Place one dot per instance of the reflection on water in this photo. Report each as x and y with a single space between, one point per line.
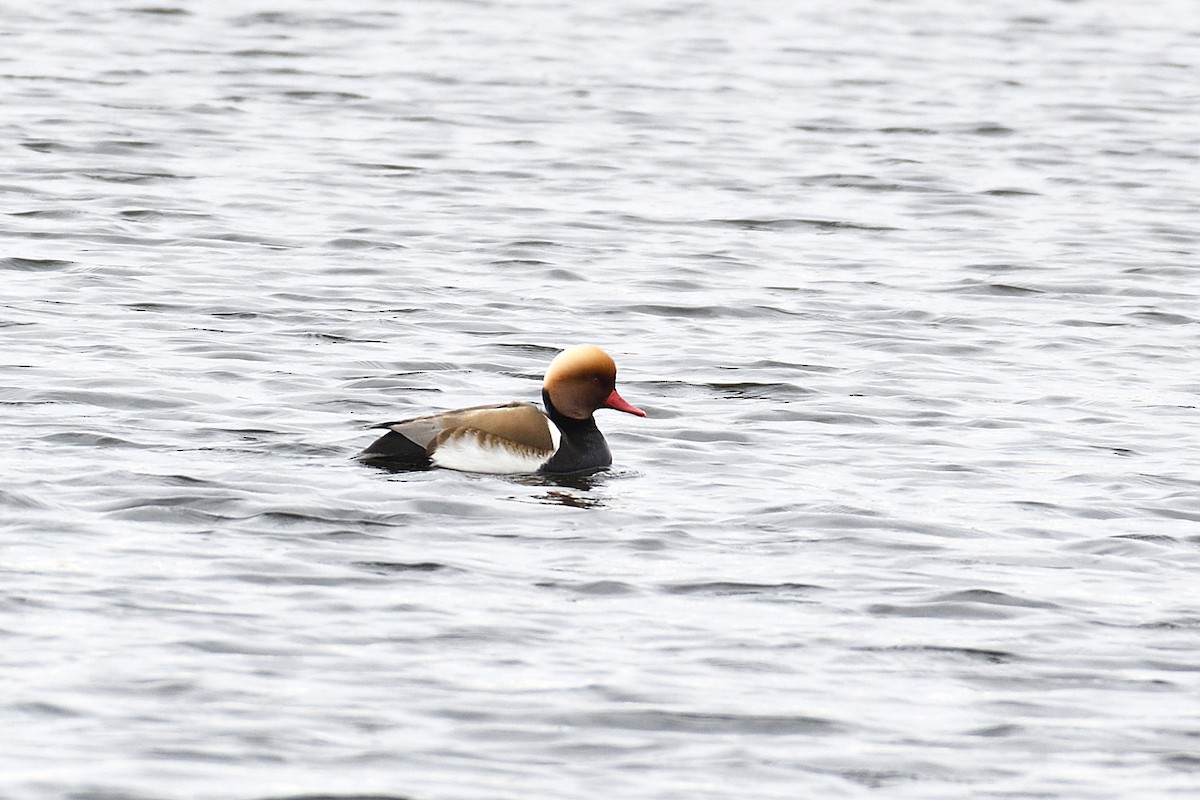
575 491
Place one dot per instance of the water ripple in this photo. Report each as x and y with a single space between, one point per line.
907 294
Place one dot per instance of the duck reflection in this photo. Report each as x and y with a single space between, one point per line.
575 491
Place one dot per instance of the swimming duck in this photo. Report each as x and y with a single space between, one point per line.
516 438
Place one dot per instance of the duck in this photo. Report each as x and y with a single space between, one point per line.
516 438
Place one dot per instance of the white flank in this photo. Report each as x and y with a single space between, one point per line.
470 453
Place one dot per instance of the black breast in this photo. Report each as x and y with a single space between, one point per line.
582 448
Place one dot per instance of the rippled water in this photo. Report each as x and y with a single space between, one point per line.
908 291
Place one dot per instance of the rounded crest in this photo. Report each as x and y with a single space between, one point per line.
582 360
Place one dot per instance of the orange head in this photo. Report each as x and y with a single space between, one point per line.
582 379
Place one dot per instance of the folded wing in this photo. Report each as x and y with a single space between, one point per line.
512 438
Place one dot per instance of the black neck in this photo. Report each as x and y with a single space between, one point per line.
582 448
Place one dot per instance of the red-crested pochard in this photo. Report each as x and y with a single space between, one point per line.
517 437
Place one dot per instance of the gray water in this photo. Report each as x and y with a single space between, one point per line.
909 290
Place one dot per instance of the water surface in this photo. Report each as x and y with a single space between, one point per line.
906 289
